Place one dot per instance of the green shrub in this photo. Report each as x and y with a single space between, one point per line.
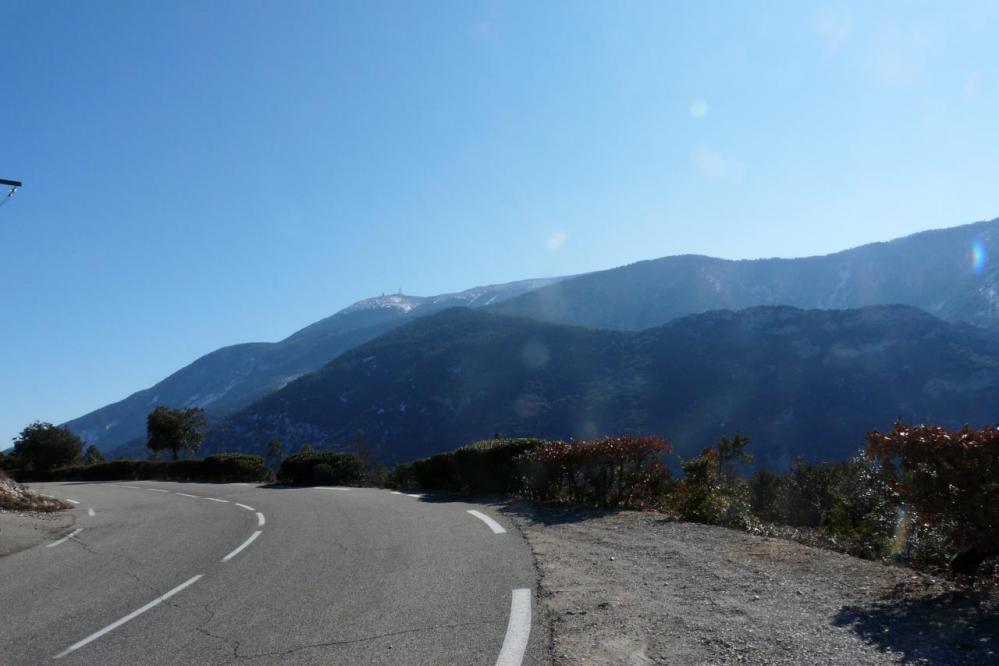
235 468
401 477
849 501
608 472
116 470
221 468
323 474
438 472
766 495
711 491
490 467
321 468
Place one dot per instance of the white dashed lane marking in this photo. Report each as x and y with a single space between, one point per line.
66 538
131 616
518 629
493 525
243 545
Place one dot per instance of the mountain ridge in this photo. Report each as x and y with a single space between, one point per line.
932 270
798 382
232 377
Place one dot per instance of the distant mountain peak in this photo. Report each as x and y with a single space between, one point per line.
233 377
400 302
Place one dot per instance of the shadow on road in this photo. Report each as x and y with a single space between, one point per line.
542 514
958 627
545 514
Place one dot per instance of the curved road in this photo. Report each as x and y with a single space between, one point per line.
170 573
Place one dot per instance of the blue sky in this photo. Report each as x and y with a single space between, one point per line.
199 174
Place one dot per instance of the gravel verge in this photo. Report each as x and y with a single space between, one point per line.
643 588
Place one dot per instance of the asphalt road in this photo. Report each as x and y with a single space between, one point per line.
331 576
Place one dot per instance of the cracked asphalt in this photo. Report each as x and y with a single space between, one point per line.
358 576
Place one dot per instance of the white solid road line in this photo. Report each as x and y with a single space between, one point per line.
395 492
518 629
66 538
414 495
186 495
133 487
246 543
72 501
216 499
261 521
131 616
91 512
493 525
157 490
243 506
330 488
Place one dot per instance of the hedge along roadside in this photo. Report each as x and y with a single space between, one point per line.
220 468
488 467
324 468
610 472
622 472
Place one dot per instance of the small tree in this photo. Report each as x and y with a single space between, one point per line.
175 430
91 456
711 491
42 447
731 454
275 453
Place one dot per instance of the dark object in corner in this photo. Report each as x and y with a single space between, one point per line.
967 563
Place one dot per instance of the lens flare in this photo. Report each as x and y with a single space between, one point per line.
978 256
903 526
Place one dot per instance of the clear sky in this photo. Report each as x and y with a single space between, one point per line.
204 173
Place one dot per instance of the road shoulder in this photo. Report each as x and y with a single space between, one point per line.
22 530
637 588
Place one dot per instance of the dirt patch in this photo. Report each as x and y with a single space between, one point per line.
638 588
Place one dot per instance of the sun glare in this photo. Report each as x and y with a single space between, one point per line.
978 256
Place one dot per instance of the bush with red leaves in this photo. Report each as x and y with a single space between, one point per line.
609 472
951 479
